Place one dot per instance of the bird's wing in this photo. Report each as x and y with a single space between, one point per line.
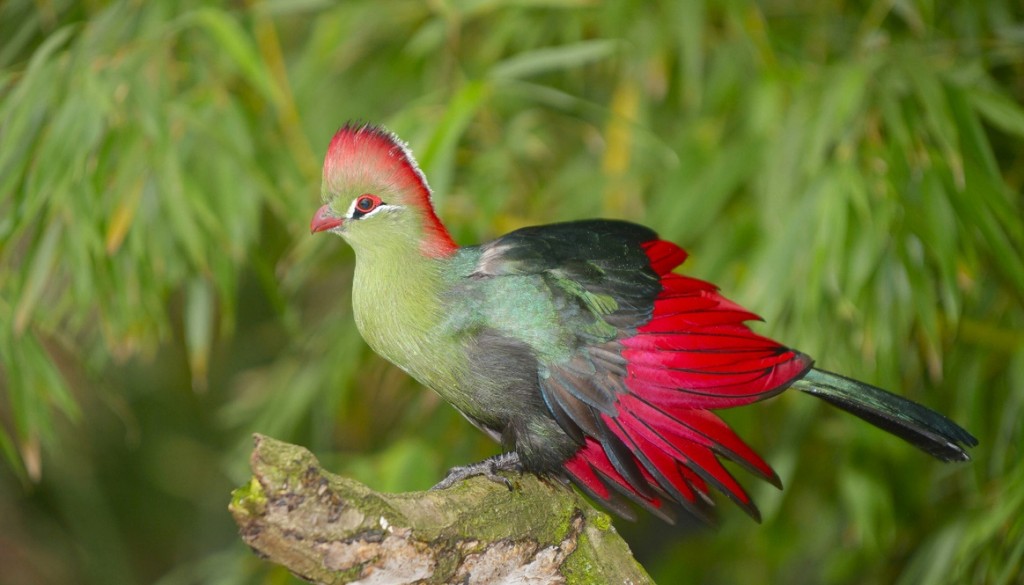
651 353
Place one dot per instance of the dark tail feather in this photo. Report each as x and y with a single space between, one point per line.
924 428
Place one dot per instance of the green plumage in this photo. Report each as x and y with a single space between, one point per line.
484 326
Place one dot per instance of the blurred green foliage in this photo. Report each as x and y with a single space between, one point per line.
850 170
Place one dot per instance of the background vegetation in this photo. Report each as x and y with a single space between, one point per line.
852 170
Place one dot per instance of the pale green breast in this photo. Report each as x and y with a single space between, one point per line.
398 309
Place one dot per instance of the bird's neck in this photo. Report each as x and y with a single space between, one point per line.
397 302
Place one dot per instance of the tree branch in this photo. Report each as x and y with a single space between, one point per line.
329 529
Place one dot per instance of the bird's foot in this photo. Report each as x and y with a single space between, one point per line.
488 468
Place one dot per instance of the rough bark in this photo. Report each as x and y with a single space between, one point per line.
329 529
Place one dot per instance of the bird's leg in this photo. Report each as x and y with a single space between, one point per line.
488 468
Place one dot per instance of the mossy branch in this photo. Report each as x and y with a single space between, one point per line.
329 529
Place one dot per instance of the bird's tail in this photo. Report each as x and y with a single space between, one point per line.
924 428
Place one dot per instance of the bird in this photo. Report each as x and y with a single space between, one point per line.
576 345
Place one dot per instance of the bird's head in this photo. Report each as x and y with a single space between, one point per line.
374 193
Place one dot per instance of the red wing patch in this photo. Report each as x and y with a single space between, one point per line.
694 354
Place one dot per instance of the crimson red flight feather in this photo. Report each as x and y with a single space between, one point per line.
694 354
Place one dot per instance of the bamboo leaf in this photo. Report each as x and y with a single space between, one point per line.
999 110
39 270
199 313
237 44
549 59
439 152
12 457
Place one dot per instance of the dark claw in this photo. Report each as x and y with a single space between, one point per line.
488 468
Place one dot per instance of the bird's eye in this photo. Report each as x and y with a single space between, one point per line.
365 204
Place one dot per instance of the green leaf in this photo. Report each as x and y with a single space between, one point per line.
438 156
12 457
40 268
239 46
549 59
199 312
999 110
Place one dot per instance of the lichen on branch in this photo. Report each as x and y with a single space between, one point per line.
329 529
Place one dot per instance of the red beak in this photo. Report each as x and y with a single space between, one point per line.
323 220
